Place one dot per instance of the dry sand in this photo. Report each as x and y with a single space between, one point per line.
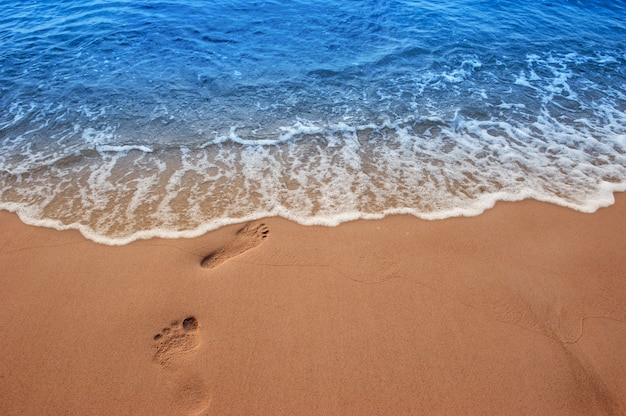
520 311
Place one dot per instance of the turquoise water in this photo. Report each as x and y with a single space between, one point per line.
128 120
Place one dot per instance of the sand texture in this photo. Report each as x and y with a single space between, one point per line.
519 311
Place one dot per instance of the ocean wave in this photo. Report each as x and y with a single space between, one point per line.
132 120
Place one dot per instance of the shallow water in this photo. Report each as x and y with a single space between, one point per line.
133 119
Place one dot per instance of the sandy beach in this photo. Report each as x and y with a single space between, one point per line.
518 311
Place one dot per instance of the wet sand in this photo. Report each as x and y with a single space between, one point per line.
521 310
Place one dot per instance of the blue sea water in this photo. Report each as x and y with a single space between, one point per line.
132 119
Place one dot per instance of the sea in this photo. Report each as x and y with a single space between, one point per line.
135 119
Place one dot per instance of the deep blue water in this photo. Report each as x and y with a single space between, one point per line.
130 119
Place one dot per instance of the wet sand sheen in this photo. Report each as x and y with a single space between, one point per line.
518 311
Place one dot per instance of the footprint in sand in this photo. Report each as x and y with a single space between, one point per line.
247 238
178 338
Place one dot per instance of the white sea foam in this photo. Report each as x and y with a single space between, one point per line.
318 176
124 148
521 80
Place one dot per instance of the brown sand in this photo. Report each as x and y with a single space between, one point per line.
520 311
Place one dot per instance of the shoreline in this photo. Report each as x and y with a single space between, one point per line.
519 310
604 198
